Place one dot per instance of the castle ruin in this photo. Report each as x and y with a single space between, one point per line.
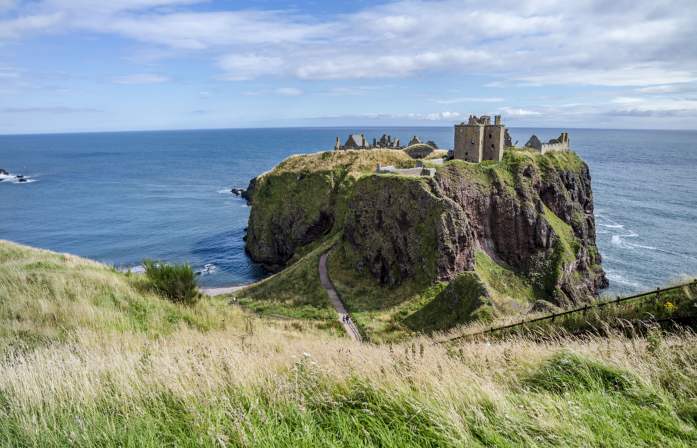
359 141
479 140
556 144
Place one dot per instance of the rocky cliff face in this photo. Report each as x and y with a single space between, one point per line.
304 199
532 216
530 213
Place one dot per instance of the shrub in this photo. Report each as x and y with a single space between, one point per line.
177 282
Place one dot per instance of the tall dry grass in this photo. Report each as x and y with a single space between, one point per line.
211 375
247 387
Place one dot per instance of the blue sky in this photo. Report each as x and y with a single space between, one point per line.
89 65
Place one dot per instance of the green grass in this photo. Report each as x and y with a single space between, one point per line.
295 292
465 299
116 375
355 162
508 289
45 296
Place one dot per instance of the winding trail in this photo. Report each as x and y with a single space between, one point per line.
344 316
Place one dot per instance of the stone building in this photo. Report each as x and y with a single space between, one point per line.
414 141
354 141
556 144
386 141
479 140
358 141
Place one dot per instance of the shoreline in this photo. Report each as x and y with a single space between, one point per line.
222 290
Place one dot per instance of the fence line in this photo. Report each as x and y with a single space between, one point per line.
583 309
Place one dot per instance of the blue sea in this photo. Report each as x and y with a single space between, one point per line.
123 197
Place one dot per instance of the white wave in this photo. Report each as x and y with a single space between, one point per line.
138 269
16 179
224 191
208 268
618 278
641 246
619 241
612 226
25 181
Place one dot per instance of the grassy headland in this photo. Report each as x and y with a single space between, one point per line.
304 203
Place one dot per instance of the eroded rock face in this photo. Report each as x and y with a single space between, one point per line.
289 211
539 221
401 230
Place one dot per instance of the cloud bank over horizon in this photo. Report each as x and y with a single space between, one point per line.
150 63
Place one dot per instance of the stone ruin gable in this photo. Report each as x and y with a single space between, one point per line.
556 144
479 140
414 141
354 141
359 141
386 142
534 143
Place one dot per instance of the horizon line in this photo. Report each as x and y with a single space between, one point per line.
126 131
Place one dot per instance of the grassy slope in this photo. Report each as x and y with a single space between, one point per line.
44 296
295 292
109 378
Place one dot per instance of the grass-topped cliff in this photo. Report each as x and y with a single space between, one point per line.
91 357
503 235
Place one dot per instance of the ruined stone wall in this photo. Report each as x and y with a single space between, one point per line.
493 143
549 147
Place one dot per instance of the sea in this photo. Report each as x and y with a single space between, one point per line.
124 197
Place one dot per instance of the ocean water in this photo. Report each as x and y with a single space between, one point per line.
123 197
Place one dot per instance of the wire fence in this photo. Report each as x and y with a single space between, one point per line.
655 295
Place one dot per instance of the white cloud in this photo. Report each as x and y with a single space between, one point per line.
663 89
14 28
635 76
141 78
654 106
247 66
519 112
539 42
7 73
288 91
470 99
54 110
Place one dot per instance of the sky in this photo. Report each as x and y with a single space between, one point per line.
93 65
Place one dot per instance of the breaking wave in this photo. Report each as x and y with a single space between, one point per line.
16 179
615 277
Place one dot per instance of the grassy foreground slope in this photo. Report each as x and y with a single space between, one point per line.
105 374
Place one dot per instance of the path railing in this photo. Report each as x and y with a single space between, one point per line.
656 295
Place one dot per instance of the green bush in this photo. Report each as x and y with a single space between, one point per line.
177 282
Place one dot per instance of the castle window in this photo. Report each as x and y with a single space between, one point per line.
489 135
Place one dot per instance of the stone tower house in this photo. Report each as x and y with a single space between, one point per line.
479 139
